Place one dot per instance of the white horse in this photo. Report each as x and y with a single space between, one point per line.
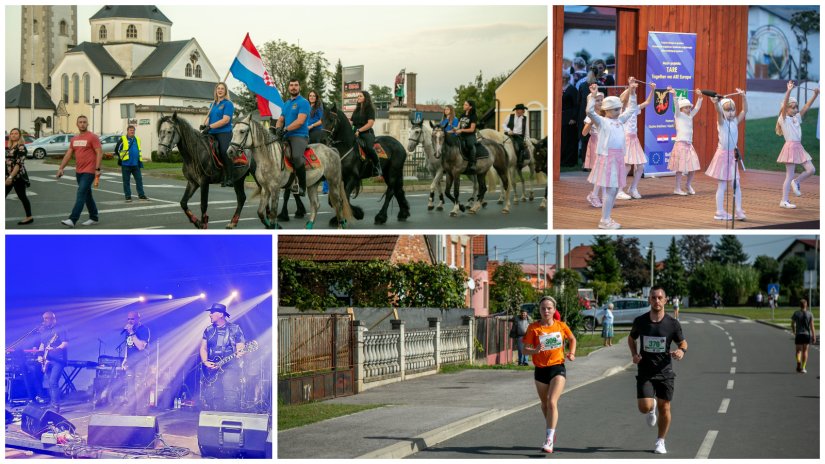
529 163
271 175
420 133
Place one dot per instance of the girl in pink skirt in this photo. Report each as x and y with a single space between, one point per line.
608 167
634 154
683 159
723 167
590 155
789 124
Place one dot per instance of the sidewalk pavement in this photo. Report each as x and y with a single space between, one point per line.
422 412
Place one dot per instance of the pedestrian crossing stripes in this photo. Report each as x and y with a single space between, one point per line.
715 321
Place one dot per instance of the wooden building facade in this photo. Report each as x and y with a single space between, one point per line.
721 61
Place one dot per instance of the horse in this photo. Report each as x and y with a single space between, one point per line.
447 146
300 211
199 167
529 163
421 134
540 149
340 135
271 174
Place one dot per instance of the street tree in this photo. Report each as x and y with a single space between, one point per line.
802 24
483 93
244 100
739 283
380 93
792 278
603 268
337 85
318 79
729 251
284 61
635 270
704 282
507 289
672 278
768 270
695 249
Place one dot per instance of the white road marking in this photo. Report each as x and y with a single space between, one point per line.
723 408
730 385
733 370
733 351
707 444
713 321
746 321
42 179
698 321
733 359
731 344
730 338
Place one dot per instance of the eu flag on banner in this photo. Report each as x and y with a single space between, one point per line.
248 68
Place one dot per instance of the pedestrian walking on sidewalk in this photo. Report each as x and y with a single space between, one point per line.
517 332
544 341
655 381
607 325
802 325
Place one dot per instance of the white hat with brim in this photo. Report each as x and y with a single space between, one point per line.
726 101
611 103
683 102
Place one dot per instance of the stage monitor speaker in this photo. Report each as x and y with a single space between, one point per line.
37 419
233 435
122 431
269 444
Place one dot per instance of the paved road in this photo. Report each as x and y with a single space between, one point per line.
737 396
52 200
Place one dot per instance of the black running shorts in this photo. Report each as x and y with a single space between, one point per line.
658 387
546 374
802 339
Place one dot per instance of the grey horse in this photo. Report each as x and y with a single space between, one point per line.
529 163
421 134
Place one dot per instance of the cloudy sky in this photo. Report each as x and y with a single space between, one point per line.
446 46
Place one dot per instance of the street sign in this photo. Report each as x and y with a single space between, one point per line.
773 289
127 110
419 117
144 122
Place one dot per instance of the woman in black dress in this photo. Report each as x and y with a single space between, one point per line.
16 176
363 119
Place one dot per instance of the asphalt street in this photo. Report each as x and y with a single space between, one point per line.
737 395
52 200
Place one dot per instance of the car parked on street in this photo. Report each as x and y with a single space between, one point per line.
52 145
625 310
108 143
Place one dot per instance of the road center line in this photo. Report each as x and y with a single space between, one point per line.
730 384
733 370
731 344
733 359
707 444
723 408
733 351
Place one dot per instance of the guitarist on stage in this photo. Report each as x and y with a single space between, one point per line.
54 342
221 339
136 363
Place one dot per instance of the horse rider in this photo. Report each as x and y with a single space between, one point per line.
363 119
293 126
219 123
516 129
466 132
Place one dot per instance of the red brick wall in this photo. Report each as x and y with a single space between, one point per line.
409 249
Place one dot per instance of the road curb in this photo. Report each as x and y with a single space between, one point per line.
426 440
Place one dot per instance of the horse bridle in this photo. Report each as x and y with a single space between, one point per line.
174 132
242 146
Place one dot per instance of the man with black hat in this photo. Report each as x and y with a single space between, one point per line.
516 128
222 338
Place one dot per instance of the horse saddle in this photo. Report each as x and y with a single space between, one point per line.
212 142
481 152
379 150
311 160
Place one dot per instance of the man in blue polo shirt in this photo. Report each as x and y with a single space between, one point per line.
293 120
129 158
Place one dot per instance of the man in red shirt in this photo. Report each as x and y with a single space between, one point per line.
89 154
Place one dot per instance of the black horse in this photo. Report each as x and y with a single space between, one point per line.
199 167
541 165
341 136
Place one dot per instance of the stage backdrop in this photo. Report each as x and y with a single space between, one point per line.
721 58
670 62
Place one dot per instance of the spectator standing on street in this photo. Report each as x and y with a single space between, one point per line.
16 176
569 110
676 307
129 154
520 325
607 325
759 300
802 325
88 155
544 340
717 300
655 381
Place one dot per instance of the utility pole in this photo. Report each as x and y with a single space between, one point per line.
31 76
569 250
651 263
538 261
544 269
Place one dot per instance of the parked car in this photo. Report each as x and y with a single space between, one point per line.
52 145
625 310
108 143
27 139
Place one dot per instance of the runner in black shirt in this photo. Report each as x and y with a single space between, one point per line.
655 331
802 325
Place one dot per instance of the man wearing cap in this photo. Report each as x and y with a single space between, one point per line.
222 338
516 128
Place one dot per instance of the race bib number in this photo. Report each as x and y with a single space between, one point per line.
550 341
654 344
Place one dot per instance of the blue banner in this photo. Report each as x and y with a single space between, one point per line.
671 59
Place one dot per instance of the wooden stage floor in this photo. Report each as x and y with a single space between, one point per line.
659 208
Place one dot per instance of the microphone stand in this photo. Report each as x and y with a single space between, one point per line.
20 340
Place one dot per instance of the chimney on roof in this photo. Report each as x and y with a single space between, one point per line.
411 90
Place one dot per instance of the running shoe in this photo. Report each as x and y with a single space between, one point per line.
787 205
548 445
89 222
651 416
798 367
804 371
635 194
795 187
622 195
609 224
722 216
679 192
690 190
660 447
594 200
68 223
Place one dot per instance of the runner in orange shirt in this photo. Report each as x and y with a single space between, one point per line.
544 340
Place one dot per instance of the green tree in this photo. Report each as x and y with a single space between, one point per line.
483 93
672 277
792 277
696 249
507 289
603 268
300 72
802 24
705 280
337 85
380 93
566 292
768 269
285 61
566 279
244 100
318 79
635 270
729 251
738 284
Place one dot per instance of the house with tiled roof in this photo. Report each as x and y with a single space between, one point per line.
328 248
131 59
808 250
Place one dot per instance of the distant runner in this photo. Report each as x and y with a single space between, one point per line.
802 325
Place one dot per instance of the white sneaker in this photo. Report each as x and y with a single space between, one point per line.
651 416
787 205
690 190
795 188
609 224
622 195
89 222
804 371
635 194
740 216
594 200
679 192
660 447
68 223
722 217
547 447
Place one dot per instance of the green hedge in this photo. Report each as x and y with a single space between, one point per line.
173 157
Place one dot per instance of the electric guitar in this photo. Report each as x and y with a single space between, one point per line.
46 352
210 376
